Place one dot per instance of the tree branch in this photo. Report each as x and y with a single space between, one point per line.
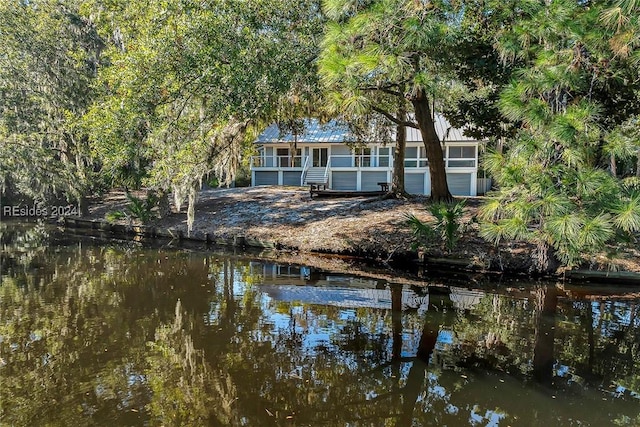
384 89
393 118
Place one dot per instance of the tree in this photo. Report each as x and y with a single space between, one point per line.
378 54
48 61
554 190
190 82
480 72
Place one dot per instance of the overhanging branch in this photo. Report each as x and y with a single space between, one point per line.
384 89
394 119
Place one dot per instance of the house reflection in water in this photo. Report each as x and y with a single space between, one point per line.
291 283
308 286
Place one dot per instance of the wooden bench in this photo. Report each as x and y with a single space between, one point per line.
315 187
384 186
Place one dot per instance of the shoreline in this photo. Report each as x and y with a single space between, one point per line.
286 219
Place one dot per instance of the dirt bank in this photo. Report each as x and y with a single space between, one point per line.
287 218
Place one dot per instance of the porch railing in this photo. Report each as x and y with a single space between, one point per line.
305 169
326 170
350 161
277 161
359 160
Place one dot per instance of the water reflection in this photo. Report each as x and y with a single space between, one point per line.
120 335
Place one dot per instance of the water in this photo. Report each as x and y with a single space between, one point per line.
121 335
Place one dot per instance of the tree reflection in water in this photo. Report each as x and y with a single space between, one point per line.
132 336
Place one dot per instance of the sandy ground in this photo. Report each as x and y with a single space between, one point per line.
369 227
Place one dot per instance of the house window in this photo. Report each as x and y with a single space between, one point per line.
363 157
462 157
319 157
462 152
411 157
383 157
283 157
285 160
296 160
423 161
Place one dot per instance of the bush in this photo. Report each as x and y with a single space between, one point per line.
114 216
142 209
447 227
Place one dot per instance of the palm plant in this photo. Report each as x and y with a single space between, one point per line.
447 226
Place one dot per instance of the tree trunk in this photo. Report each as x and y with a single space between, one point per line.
439 187
638 165
612 165
591 339
397 180
415 379
83 206
293 148
396 320
543 353
164 207
544 259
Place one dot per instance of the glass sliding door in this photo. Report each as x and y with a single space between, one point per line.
319 157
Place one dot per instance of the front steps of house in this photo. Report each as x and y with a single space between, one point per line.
315 175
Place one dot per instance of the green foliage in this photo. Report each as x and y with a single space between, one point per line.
114 216
140 208
48 61
185 91
390 57
446 228
555 189
421 230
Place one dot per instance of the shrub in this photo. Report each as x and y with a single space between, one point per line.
142 208
447 226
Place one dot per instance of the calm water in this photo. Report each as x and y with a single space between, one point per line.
120 335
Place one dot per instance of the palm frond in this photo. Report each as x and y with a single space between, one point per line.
516 228
552 203
420 229
493 232
491 210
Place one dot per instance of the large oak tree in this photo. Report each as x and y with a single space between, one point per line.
189 83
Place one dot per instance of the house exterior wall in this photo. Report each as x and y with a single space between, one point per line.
363 171
414 182
370 179
265 178
341 156
344 180
459 183
291 178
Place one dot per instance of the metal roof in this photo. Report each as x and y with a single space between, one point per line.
335 132
314 131
445 132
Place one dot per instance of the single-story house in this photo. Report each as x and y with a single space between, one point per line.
322 155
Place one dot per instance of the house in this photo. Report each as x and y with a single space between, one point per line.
323 156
